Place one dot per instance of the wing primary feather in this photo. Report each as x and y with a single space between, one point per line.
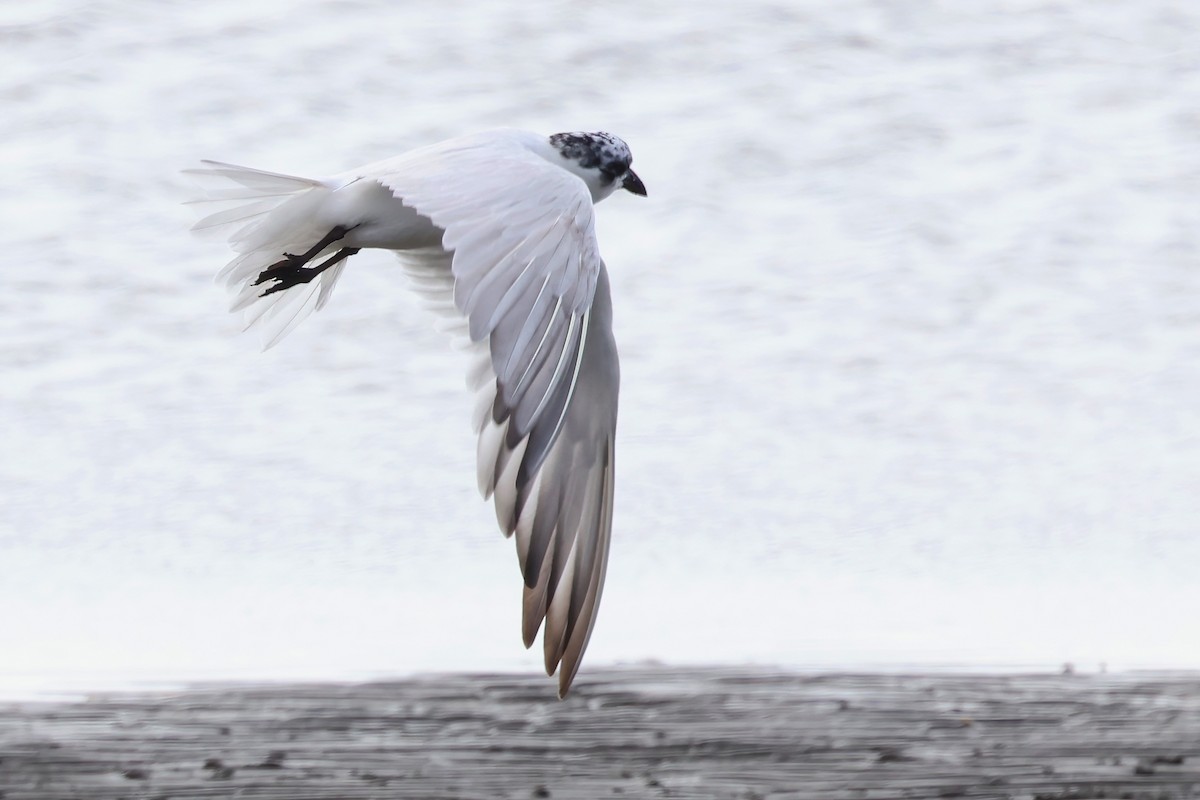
557 606
577 643
491 439
546 514
513 295
470 275
526 411
521 356
498 291
547 265
542 435
507 494
542 380
533 609
496 270
585 542
551 341
562 396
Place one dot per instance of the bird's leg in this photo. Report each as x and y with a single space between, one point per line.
291 270
298 275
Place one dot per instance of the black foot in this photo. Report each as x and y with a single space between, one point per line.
292 272
289 272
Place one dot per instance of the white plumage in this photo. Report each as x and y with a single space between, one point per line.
498 229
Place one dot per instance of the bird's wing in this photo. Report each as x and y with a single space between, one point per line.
521 265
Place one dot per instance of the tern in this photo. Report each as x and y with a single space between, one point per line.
497 230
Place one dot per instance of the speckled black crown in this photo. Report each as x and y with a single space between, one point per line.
601 151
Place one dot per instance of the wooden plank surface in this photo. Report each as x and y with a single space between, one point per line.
628 733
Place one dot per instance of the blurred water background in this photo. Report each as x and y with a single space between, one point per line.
909 323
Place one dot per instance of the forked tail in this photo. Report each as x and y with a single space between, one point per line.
287 262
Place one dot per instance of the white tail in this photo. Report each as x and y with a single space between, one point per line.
264 215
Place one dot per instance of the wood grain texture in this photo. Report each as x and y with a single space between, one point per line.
628 733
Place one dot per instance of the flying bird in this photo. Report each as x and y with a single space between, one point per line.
496 229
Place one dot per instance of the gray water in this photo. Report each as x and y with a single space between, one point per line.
909 326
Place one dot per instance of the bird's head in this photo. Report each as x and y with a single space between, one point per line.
601 160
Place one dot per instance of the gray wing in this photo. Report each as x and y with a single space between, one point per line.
524 269
562 511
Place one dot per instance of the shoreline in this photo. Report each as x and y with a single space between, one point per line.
646 731
68 687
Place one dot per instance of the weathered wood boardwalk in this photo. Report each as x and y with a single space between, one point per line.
630 733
